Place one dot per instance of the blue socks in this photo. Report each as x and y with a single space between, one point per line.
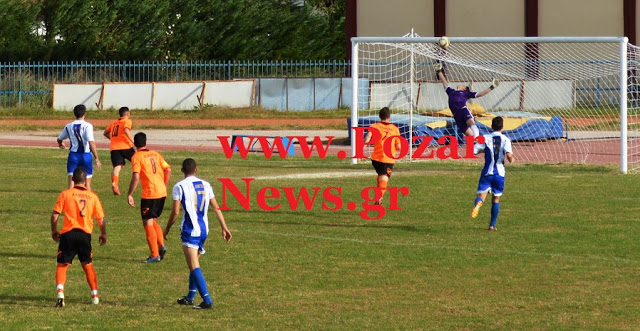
478 199
200 284
192 288
495 209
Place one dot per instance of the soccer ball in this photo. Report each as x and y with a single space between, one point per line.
444 42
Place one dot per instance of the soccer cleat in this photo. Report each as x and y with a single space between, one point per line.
95 300
152 259
163 251
116 190
493 228
185 301
203 305
476 210
60 301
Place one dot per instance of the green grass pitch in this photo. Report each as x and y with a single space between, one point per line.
565 256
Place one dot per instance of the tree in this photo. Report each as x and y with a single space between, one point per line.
105 30
84 30
19 31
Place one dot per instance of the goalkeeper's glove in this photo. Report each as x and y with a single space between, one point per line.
494 83
438 67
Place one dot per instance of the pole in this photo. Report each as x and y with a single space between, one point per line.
623 105
354 101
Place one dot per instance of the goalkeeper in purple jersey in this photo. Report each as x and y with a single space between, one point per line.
458 103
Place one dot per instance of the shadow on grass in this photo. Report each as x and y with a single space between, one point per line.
32 191
47 301
30 300
52 257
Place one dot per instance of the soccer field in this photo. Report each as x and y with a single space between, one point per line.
565 255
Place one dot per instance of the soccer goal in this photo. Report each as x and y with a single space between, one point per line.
564 99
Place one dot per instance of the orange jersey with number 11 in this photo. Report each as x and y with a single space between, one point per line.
119 139
151 166
79 207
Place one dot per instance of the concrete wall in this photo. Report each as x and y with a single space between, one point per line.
580 18
162 95
385 18
491 18
486 18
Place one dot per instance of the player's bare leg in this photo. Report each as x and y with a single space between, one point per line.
88 184
192 257
115 177
472 128
70 182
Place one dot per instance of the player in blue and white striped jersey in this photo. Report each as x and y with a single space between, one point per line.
195 196
496 149
83 145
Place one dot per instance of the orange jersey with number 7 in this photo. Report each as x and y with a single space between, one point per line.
386 130
151 166
119 139
79 206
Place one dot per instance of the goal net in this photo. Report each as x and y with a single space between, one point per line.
560 96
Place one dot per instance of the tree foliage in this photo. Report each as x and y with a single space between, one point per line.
85 30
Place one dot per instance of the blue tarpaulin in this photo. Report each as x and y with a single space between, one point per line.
531 126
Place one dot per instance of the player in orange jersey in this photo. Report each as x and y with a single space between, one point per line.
121 145
150 168
80 206
381 162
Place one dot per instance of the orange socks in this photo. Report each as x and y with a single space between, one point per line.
152 240
114 180
92 278
159 233
382 185
61 276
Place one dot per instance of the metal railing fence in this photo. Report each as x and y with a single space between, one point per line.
31 83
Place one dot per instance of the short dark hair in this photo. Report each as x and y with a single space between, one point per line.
189 166
497 123
123 110
79 111
385 113
140 140
79 175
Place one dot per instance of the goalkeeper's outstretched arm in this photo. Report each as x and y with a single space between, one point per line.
443 79
440 73
494 84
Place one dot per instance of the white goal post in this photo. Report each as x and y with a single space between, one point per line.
564 99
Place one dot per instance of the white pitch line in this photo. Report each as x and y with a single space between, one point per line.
468 249
317 175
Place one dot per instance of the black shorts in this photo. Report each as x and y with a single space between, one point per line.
151 208
382 168
72 243
118 156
